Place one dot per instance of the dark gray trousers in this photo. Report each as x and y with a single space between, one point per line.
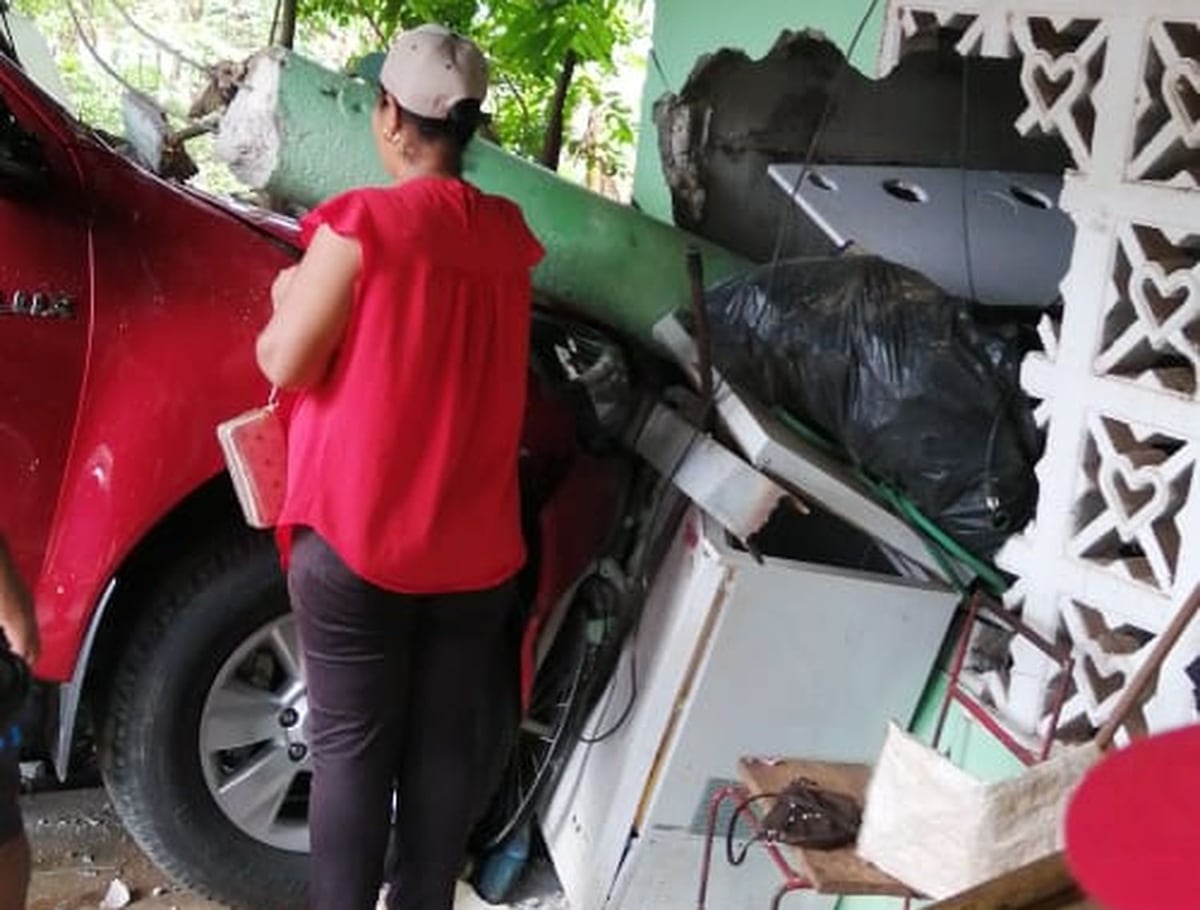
396 684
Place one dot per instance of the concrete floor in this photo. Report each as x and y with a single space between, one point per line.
80 848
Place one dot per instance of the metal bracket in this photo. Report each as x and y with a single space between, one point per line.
715 479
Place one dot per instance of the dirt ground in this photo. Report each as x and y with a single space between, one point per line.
80 849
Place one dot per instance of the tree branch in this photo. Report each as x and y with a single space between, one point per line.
517 96
104 64
555 121
155 40
287 23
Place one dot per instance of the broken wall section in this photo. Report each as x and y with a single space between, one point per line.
685 30
736 116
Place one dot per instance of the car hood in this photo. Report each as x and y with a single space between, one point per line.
282 228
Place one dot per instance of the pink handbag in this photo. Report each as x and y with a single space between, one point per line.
255 448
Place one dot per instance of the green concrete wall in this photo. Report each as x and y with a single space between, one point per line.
686 29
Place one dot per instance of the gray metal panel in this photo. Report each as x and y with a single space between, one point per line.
803 661
1020 240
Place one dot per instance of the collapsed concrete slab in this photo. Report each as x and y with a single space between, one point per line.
301 133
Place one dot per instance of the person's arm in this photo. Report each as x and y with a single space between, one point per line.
17 619
312 306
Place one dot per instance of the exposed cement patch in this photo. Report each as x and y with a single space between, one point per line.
249 136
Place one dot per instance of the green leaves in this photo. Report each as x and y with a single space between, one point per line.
536 34
527 42
386 17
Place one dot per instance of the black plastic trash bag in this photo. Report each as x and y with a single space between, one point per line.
915 388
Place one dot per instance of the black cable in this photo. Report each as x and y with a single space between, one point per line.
641 592
818 134
621 720
662 74
641 579
731 828
991 500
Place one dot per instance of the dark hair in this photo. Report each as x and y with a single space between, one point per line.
457 129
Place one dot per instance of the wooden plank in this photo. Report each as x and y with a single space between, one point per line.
1044 884
839 871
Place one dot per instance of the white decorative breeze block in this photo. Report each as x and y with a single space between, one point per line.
1114 547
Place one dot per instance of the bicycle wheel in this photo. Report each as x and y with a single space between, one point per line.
546 733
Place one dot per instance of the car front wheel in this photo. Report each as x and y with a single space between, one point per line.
203 747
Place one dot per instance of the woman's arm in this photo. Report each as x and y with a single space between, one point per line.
312 307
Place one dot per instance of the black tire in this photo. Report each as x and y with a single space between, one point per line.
200 613
564 691
545 737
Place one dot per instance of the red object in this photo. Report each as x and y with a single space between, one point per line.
404 457
107 411
1132 825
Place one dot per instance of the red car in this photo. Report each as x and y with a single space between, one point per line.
128 308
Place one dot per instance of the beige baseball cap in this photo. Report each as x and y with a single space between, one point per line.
429 69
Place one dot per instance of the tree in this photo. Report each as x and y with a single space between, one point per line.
386 17
553 69
548 40
539 50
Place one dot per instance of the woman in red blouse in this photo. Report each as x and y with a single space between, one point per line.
405 328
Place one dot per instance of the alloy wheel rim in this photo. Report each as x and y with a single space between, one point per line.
253 739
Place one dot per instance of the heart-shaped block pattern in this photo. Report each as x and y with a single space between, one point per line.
1181 95
1053 85
1136 496
1175 306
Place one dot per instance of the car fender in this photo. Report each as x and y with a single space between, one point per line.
180 289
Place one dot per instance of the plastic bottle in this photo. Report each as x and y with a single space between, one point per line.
500 869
